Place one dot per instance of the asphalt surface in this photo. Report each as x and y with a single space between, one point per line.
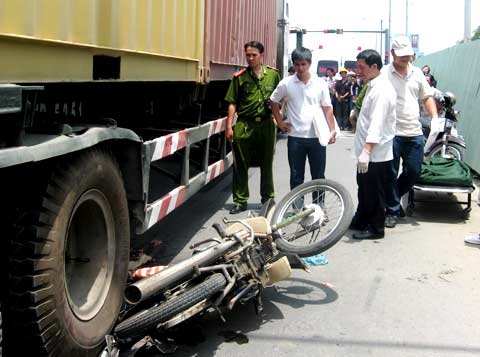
414 293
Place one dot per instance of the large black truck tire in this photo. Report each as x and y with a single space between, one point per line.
68 261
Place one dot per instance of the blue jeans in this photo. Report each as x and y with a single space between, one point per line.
299 149
410 150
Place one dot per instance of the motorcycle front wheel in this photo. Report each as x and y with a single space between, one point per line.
322 229
452 150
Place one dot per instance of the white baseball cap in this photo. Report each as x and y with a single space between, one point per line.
402 46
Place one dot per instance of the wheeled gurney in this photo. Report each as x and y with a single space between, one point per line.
440 189
443 175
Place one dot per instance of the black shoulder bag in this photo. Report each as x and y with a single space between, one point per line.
266 101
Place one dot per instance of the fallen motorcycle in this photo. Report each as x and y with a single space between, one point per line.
249 255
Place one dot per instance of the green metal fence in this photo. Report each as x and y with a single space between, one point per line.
457 70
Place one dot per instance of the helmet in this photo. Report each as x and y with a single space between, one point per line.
343 69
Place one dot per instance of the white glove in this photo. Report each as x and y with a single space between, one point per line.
363 161
436 126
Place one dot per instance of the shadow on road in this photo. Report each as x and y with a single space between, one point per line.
438 208
204 336
297 292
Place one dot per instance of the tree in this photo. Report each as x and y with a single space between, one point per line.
476 34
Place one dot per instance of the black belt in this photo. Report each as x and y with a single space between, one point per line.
256 119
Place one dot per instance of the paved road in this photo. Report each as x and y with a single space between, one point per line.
414 293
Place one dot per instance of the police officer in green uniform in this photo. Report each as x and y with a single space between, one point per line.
253 139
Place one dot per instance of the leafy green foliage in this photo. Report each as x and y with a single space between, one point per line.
476 34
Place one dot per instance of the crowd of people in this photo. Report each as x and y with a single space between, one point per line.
381 103
343 95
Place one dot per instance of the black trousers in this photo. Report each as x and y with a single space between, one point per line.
371 196
342 113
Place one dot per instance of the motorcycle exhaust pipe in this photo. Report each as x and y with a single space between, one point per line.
145 288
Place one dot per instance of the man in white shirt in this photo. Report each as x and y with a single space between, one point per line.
372 146
330 79
307 98
410 85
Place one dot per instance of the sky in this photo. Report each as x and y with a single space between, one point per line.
438 23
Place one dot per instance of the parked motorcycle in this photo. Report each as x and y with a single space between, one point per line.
442 138
249 255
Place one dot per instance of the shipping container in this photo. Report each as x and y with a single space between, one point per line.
59 40
231 24
148 40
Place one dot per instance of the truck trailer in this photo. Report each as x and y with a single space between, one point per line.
111 117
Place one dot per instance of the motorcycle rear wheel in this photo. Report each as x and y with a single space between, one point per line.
141 323
297 238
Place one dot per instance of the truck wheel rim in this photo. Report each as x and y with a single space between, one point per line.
89 254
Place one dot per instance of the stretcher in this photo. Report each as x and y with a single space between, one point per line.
440 189
443 175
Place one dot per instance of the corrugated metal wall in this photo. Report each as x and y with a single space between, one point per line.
457 70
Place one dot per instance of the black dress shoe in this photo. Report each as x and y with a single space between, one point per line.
369 235
238 209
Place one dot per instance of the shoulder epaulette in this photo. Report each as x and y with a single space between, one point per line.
275 69
239 73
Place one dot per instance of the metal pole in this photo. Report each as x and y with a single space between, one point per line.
387 46
468 21
381 29
406 17
388 31
299 38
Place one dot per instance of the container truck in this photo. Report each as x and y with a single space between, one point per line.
111 117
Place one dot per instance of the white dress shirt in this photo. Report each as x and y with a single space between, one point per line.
376 123
330 82
304 100
409 90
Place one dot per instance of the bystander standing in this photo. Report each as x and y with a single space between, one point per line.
431 79
408 145
253 139
372 146
331 86
342 93
308 99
